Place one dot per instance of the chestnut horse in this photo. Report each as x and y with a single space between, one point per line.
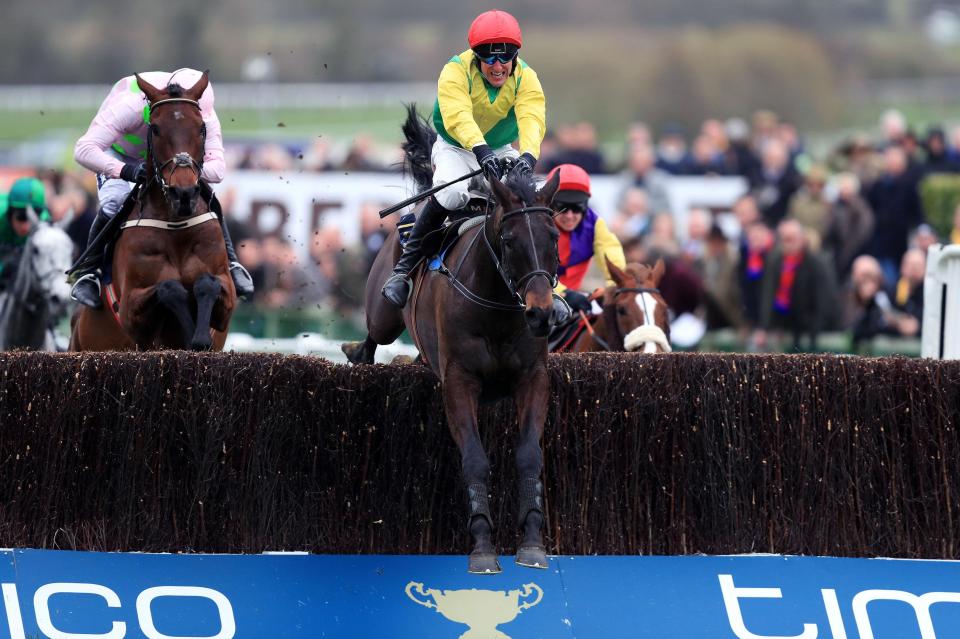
171 283
635 316
480 323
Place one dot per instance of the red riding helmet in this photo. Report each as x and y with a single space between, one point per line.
493 27
574 185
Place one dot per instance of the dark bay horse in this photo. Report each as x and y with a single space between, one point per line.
635 316
171 283
481 326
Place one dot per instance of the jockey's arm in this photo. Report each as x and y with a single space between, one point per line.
531 110
456 107
606 244
214 163
114 118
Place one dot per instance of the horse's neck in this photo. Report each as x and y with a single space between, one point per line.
19 326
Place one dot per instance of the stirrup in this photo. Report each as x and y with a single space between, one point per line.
86 290
242 281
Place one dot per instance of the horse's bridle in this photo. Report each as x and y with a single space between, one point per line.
637 289
518 288
522 283
182 159
610 313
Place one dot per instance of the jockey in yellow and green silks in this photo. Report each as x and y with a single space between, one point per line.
487 99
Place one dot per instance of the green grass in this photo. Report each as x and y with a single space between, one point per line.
333 123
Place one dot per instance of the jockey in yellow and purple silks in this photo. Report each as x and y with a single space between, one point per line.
487 98
583 234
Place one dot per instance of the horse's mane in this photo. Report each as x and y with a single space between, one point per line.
419 136
524 186
21 282
174 90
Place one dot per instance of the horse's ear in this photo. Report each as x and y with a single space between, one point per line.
500 190
548 190
153 93
616 273
194 92
658 270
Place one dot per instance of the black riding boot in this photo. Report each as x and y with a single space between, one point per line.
242 281
86 272
397 288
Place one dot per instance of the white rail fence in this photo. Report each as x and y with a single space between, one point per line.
941 303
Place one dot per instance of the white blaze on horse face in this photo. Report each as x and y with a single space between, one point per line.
647 304
649 335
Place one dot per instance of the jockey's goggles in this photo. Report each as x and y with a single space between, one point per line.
19 215
499 52
564 207
502 58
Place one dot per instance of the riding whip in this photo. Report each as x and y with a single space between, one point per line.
425 194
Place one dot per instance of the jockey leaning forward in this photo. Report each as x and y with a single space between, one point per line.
487 98
583 234
20 210
115 148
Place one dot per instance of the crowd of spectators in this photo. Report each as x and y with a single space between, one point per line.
815 244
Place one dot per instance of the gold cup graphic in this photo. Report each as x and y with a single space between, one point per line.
482 610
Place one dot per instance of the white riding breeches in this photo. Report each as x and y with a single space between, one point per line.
112 192
451 162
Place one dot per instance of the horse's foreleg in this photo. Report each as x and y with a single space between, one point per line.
461 392
174 298
360 352
532 400
206 290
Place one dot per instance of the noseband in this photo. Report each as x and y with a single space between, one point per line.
610 315
179 160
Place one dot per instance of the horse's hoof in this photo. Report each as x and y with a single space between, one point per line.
351 350
483 563
532 557
402 360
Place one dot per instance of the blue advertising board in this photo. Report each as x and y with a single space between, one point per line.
81 595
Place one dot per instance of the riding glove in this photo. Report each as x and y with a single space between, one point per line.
488 161
577 301
134 172
524 164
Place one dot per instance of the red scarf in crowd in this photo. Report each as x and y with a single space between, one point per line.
784 298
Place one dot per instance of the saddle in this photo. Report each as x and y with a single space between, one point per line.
563 336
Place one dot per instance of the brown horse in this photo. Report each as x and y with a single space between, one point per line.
480 324
171 283
635 316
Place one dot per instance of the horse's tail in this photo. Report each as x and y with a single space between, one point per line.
419 138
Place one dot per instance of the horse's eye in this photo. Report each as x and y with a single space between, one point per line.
154 129
621 310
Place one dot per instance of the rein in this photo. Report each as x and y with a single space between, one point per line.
515 288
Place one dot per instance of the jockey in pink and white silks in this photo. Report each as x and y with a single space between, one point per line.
115 148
